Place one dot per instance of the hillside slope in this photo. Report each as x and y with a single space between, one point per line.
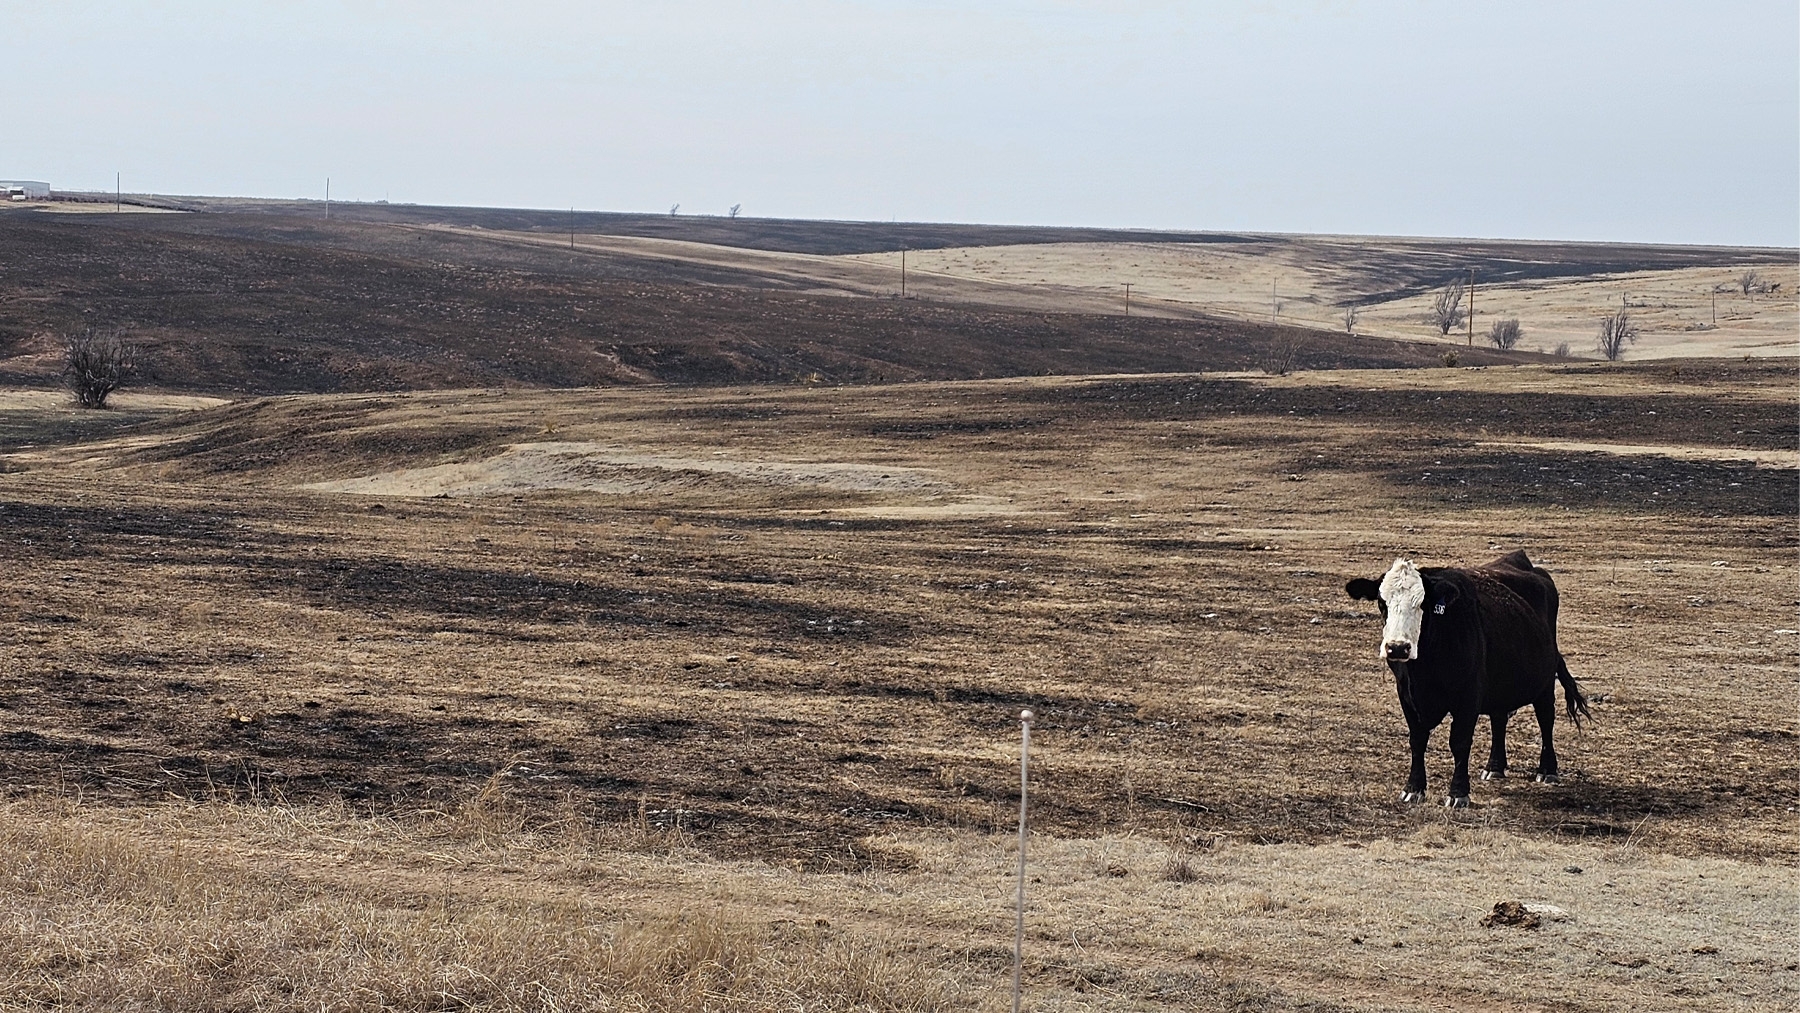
262 305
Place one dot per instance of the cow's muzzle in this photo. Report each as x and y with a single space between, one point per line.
1396 650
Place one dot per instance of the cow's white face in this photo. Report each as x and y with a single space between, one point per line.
1403 592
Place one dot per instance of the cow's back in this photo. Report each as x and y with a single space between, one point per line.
1531 583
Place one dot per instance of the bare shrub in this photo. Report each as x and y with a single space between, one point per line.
1350 315
1505 334
1749 280
1283 354
1616 331
1450 358
1562 350
1446 307
95 363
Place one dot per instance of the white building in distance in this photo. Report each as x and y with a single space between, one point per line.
24 189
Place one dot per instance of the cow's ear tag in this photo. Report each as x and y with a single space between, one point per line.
1438 609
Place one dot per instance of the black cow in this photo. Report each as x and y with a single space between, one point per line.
1465 642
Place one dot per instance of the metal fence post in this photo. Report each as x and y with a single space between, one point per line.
1024 789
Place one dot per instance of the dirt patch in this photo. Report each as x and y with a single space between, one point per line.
28 399
1759 458
590 467
951 509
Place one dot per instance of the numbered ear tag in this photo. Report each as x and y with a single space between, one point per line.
1438 609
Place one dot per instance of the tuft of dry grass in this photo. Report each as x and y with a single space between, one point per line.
1179 866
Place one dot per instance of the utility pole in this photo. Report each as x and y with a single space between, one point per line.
1715 300
1274 307
1471 307
902 270
1128 298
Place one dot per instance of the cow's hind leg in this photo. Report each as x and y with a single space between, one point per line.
1462 738
1545 706
1496 765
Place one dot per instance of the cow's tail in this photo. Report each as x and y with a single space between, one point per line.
1572 695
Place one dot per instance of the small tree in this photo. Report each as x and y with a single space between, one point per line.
674 209
1350 315
733 212
95 363
1749 280
1616 331
1446 307
1505 334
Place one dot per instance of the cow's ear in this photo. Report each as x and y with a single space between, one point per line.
1444 594
1363 589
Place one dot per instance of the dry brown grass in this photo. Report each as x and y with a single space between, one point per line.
107 910
229 906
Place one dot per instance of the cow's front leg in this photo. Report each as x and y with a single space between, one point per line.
1462 737
1420 735
1496 765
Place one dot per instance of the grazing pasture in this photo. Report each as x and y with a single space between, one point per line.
706 698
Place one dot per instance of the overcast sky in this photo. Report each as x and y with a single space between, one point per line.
1609 120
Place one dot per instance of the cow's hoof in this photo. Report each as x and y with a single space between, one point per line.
1493 775
1549 779
1412 796
1457 802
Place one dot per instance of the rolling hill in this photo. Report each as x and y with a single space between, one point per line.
265 303
255 296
